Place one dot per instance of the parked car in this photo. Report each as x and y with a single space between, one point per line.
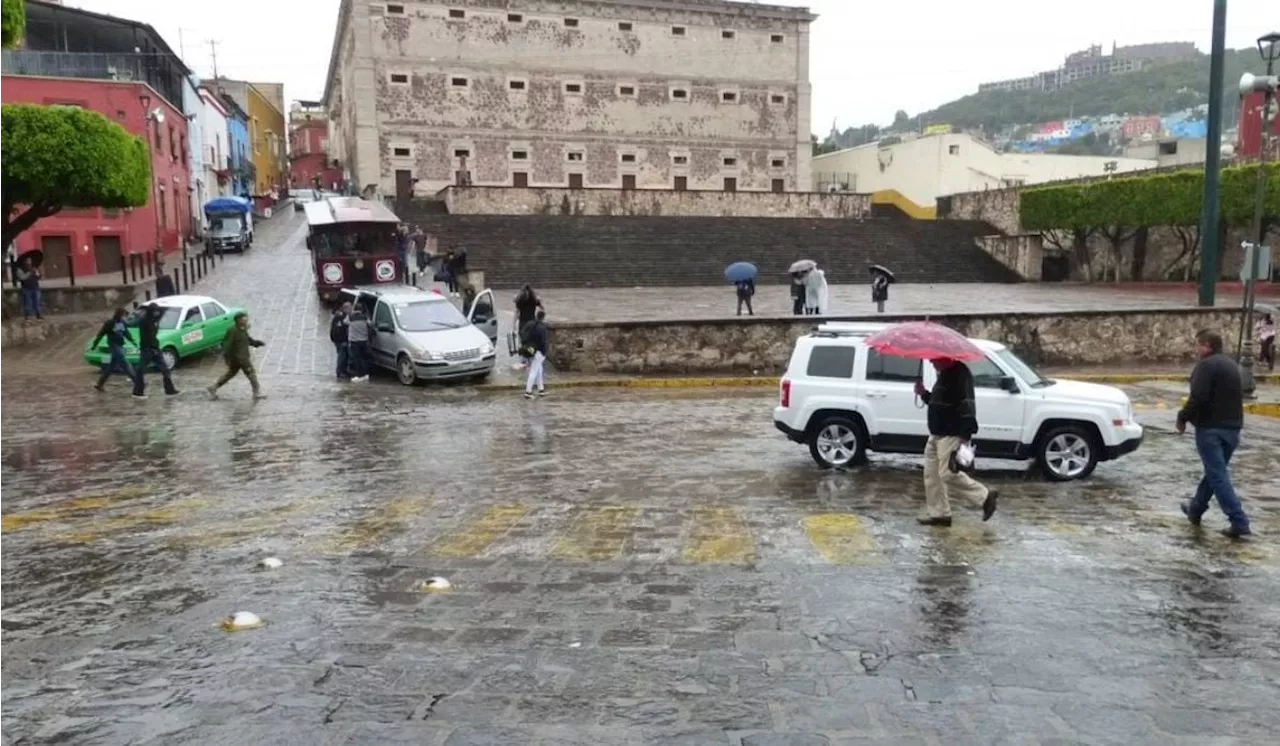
189 325
421 335
842 398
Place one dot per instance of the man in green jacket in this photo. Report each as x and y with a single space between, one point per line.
235 351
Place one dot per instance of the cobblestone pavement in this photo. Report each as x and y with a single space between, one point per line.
629 568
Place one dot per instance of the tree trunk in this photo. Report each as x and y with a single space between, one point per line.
1138 264
15 225
1080 245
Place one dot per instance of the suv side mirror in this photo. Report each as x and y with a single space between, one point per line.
1010 384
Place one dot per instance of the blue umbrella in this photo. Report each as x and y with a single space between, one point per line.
739 271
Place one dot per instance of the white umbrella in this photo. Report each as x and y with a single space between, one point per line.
804 265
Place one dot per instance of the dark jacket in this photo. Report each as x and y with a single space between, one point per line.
746 288
534 334
164 285
1216 399
115 332
527 307
952 410
148 328
235 348
879 289
29 278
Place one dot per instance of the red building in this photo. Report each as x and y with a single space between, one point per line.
1249 142
133 78
310 164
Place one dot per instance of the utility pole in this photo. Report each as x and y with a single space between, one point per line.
213 50
1209 236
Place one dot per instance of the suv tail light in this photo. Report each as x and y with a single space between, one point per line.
784 397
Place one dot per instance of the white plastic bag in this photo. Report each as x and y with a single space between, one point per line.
964 456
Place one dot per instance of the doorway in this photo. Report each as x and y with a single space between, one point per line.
628 181
106 254
57 255
575 181
404 184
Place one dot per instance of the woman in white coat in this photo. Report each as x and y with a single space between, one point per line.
815 292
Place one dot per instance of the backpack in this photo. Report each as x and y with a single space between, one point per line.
337 332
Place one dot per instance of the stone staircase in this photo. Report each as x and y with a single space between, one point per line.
610 251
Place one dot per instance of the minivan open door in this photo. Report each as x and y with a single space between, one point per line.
487 319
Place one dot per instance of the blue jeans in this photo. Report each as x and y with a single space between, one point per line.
358 357
151 356
343 356
117 363
1215 446
31 303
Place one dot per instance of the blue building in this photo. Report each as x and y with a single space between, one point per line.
239 161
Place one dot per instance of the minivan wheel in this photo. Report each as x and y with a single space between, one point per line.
837 442
405 370
1067 452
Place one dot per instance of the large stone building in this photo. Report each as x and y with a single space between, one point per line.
644 94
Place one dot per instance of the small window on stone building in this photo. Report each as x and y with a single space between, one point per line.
730 161
730 184
571 23
519 155
777 98
953 149
519 178
778 163
574 156
677 30
679 160
679 94
516 85
400 78
728 34
628 157
395 10
626 90
776 38
515 18
729 97
456 13
779 185
573 88
458 82
680 183
628 181
401 152
461 153
624 25
575 181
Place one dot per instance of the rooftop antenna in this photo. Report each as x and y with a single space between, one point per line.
213 50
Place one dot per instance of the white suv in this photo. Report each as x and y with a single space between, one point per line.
842 398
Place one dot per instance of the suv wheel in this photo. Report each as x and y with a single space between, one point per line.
838 441
1067 452
405 370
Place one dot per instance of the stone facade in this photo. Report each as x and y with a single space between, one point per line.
763 346
1022 254
700 94
1002 208
559 201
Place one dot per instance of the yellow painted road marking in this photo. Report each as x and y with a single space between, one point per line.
599 532
68 508
842 539
478 535
386 518
719 535
236 529
102 528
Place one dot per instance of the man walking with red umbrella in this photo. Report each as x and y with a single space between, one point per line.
953 421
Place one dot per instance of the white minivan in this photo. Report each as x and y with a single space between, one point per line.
842 398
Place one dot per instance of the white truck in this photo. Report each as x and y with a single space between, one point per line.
842 398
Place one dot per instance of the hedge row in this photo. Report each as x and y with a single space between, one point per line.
1158 199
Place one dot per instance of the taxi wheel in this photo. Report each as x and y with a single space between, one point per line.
170 356
405 370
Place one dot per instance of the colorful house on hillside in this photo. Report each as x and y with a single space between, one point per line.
1135 127
267 137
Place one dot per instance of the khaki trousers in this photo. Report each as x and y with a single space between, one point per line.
941 484
232 370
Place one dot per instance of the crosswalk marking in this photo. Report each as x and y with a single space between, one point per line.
599 532
842 539
477 536
719 536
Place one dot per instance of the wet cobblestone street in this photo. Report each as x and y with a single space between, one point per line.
628 567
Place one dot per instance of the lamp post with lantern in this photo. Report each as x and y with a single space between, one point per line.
153 117
1269 49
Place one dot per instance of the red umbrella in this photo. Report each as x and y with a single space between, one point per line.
923 340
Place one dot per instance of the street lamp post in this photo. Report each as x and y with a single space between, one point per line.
155 115
1213 145
1269 48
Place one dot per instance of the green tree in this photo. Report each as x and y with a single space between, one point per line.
65 156
13 22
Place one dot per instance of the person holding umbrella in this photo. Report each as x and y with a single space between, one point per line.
952 415
881 278
743 276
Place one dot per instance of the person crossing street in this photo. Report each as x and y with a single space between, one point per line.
116 332
149 353
236 355
534 337
953 422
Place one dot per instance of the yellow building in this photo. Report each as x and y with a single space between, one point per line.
267 137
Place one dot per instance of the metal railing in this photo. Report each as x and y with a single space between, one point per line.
95 66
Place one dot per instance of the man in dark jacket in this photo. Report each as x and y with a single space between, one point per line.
164 281
116 332
797 294
534 340
1216 409
235 352
149 352
338 334
746 289
953 421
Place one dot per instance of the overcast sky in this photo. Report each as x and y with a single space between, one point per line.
868 58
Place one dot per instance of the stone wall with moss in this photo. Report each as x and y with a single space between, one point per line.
482 200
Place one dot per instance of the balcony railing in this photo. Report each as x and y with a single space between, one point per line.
96 66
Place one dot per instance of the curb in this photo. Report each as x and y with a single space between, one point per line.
764 381
1264 409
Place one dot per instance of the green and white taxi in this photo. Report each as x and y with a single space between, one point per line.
189 325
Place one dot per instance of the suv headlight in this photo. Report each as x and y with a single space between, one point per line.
486 349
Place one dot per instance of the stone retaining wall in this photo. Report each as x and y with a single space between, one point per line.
763 345
1022 254
561 201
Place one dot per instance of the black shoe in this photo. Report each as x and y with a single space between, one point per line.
989 505
936 521
175 392
1186 510
1236 533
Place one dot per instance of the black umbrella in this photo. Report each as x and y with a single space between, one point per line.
884 271
36 255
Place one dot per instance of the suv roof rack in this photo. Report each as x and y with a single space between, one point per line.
849 328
